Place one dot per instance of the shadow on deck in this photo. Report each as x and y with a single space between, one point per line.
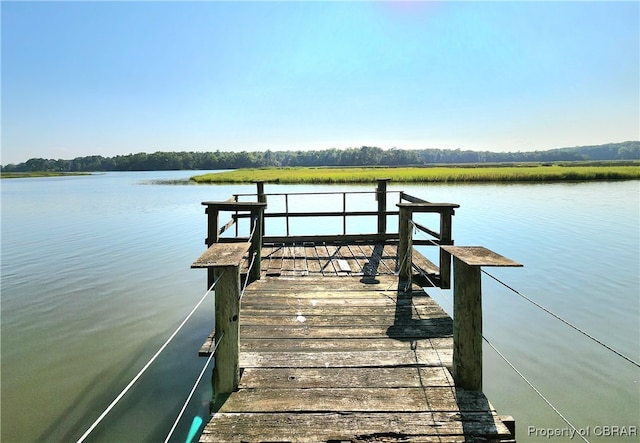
347 359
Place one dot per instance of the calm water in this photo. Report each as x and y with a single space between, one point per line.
95 277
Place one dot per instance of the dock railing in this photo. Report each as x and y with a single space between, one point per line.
223 260
407 205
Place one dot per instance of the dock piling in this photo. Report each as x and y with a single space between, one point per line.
467 311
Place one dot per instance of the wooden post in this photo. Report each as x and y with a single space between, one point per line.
467 311
226 372
213 235
224 259
467 326
405 243
262 198
257 227
344 213
381 196
445 257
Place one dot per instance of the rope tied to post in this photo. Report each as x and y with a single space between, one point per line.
146 366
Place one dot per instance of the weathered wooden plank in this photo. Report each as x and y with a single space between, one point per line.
480 256
434 399
300 262
356 261
315 289
313 262
207 347
319 292
384 377
275 302
260 359
424 263
222 254
405 332
442 427
410 311
435 320
288 260
275 261
329 344
312 284
342 344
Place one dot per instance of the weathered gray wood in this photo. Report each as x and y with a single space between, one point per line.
435 357
467 326
255 251
252 344
252 314
346 377
381 196
429 207
213 220
226 373
405 247
445 239
480 256
222 254
411 198
441 427
424 263
467 308
431 328
231 205
320 239
442 399
341 359
310 319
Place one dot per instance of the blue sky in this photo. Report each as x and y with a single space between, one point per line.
109 78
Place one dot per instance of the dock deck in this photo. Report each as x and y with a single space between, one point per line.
332 349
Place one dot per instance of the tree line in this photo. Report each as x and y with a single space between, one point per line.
363 156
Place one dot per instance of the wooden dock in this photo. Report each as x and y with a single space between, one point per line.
332 342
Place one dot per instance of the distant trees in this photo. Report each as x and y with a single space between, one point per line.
363 156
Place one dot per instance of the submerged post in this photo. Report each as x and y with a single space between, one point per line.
467 311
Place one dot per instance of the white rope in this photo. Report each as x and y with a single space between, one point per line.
536 390
511 365
193 390
142 371
246 279
566 322
548 311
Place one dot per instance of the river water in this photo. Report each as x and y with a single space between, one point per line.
96 276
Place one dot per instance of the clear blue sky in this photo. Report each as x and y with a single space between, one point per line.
109 78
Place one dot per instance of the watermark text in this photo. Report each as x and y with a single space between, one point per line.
571 433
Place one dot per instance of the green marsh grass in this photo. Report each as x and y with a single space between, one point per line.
537 173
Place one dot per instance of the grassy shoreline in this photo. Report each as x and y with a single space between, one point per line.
436 174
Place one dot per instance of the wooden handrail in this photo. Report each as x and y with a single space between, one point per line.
256 209
405 229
